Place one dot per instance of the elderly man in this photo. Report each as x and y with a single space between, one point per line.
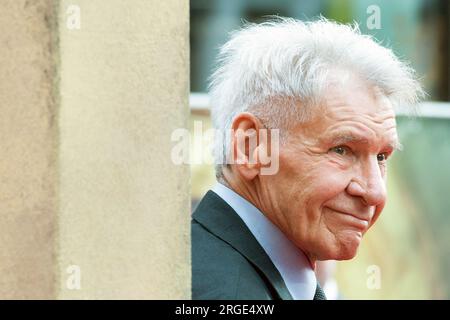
331 93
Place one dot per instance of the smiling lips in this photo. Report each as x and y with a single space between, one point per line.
362 224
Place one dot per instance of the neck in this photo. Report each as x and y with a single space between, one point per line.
246 189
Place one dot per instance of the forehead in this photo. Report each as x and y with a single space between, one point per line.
355 111
353 96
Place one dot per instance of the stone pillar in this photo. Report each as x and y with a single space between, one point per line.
92 206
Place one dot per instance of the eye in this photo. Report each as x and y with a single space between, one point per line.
382 157
341 150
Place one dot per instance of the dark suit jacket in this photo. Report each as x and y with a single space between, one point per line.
227 260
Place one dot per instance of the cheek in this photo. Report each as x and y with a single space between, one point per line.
327 183
305 185
309 182
320 186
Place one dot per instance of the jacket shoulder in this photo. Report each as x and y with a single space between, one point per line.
221 272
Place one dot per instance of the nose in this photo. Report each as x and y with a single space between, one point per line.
369 184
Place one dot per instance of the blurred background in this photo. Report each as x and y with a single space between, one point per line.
406 255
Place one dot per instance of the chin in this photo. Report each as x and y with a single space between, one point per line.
345 248
347 255
348 247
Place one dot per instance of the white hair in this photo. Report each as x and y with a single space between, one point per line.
287 61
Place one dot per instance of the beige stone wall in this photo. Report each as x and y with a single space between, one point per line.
87 181
28 140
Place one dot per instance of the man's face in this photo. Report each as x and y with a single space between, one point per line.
331 184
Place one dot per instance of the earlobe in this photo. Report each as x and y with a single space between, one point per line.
248 171
250 167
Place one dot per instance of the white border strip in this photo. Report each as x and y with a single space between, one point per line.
200 102
429 109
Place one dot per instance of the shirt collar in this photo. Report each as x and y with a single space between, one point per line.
290 261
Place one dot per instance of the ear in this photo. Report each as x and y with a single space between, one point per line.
246 145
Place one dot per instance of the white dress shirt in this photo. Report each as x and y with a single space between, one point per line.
290 261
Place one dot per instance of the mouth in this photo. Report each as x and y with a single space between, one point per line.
361 224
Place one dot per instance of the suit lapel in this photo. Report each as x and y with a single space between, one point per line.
221 220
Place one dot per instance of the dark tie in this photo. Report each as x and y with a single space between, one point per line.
319 295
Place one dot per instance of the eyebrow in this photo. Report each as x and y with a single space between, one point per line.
344 138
